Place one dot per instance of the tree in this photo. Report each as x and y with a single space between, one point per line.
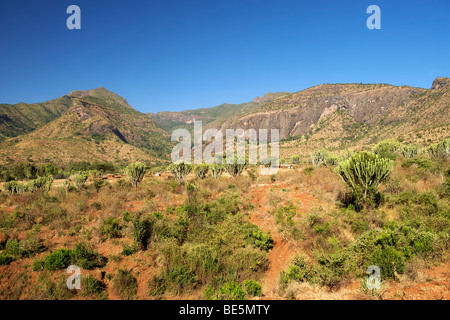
295 159
364 173
180 171
79 180
319 157
389 148
235 169
410 150
135 173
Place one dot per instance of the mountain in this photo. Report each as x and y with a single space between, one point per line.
346 115
95 125
210 117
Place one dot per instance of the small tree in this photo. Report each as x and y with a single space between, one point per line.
440 149
135 173
364 173
200 170
216 170
180 171
295 159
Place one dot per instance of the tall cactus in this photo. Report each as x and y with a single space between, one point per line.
200 170
135 173
411 150
389 148
180 171
440 149
364 173
234 169
216 170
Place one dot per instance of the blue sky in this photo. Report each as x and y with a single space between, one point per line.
176 55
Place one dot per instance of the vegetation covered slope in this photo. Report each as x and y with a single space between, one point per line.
97 125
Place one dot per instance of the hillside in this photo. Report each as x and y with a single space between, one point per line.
348 115
97 125
211 117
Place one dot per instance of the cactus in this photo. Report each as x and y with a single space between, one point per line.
390 149
180 171
135 173
216 170
66 185
235 169
79 180
411 150
364 173
440 149
319 157
200 171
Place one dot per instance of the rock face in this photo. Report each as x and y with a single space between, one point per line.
440 83
296 114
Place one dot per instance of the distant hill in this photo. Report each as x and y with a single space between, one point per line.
347 115
87 125
210 117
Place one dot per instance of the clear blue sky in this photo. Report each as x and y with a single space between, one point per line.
176 55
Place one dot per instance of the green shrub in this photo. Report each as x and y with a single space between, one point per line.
319 157
389 149
110 228
253 288
91 286
411 151
125 284
180 171
142 230
231 291
60 259
79 180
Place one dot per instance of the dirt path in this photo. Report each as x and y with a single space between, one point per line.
282 251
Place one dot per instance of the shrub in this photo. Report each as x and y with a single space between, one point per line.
180 171
125 284
110 228
231 291
135 173
411 151
200 171
364 173
5 259
142 230
60 259
252 288
91 286
79 180
440 149
295 159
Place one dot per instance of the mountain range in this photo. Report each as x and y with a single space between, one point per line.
100 125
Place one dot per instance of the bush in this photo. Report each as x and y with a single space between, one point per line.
125 284
319 157
142 230
295 159
91 286
60 259
79 180
411 151
252 288
110 228
439 150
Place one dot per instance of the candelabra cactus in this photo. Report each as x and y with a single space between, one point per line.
235 169
79 180
180 171
216 170
201 170
135 173
364 173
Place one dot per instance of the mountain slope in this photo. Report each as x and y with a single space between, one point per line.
345 115
210 117
98 125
